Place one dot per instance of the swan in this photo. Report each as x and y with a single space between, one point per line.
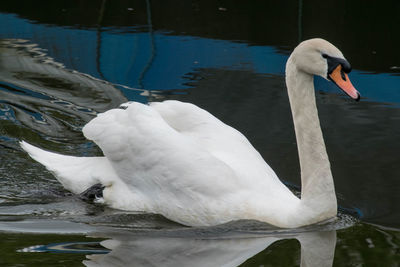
178 160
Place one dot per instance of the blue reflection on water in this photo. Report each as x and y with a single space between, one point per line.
69 247
22 91
160 61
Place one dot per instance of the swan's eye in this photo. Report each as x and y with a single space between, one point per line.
324 55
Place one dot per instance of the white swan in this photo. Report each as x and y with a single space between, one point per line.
178 160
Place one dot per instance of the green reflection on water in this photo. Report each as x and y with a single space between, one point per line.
360 245
10 243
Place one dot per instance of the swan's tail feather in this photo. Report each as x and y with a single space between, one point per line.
48 159
76 174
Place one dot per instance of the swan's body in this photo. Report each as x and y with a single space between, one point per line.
178 160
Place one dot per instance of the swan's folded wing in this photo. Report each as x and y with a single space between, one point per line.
221 140
156 159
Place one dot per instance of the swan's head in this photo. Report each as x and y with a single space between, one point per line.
319 57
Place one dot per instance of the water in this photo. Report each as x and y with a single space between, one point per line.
62 66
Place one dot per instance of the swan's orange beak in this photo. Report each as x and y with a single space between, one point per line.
340 78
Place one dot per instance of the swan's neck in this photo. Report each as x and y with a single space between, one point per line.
318 192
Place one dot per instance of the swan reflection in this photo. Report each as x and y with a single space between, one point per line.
317 249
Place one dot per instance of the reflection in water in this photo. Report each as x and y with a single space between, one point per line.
46 98
317 249
41 95
68 247
128 249
245 243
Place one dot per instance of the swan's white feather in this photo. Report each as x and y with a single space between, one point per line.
222 141
75 173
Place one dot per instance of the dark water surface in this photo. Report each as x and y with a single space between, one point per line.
62 62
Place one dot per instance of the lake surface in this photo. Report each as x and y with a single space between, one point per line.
61 63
